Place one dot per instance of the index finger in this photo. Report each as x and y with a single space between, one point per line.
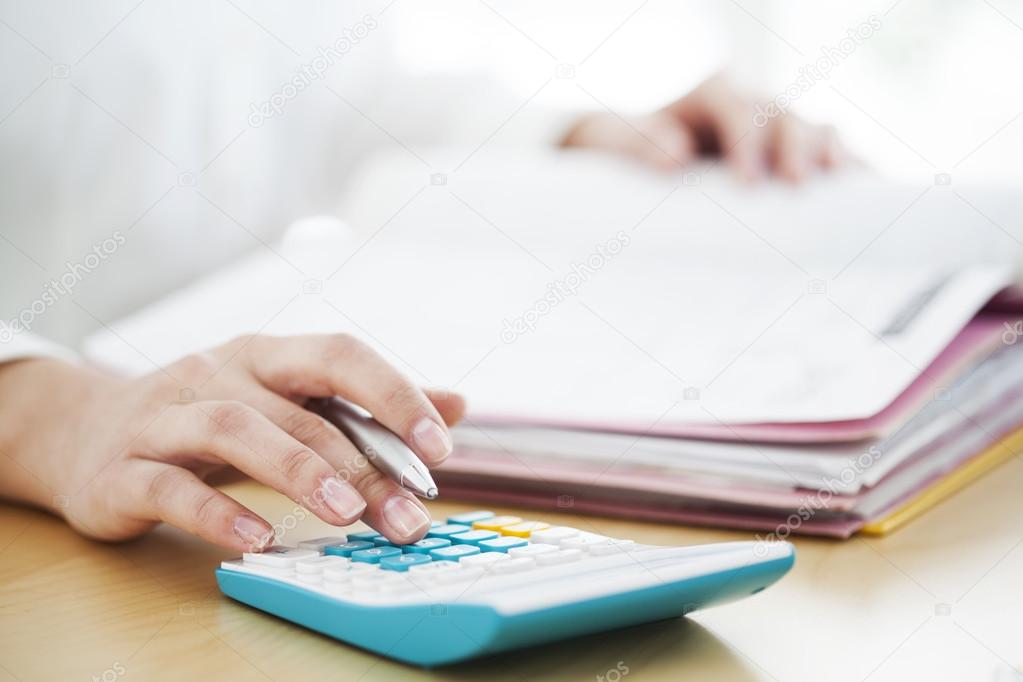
340 364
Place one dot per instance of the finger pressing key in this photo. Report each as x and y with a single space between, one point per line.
178 497
391 510
243 437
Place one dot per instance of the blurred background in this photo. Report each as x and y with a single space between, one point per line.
933 81
203 129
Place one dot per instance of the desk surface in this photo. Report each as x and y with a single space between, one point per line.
940 599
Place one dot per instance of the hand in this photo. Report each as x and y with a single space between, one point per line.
714 119
123 455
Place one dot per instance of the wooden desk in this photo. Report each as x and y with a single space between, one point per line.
941 599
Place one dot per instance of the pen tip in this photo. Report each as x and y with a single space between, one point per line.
418 480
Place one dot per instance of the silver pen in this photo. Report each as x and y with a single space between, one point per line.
385 451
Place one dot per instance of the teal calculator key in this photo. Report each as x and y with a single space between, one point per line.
469 518
375 554
447 530
425 545
473 537
381 541
502 544
363 535
402 562
346 548
435 524
454 552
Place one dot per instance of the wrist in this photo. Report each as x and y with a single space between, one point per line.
42 401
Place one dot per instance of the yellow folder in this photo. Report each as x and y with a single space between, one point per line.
951 483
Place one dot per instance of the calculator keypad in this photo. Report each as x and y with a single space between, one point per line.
470 548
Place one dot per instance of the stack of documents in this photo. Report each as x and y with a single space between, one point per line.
813 360
826 477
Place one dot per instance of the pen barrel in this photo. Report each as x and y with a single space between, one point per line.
384 450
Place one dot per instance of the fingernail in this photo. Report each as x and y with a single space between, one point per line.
405 516
432 441
255 532
342 498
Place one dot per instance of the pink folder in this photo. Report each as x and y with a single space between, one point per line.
482 475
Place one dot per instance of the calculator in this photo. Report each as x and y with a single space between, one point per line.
479 584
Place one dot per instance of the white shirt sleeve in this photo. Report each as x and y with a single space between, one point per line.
17 346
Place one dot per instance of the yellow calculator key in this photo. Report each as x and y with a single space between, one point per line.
496 523
522 530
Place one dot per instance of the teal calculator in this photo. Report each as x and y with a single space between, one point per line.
479 584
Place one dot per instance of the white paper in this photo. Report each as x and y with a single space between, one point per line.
717 308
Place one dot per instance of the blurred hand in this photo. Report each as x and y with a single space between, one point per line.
126 454
715 120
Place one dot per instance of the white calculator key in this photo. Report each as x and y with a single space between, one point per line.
434 567
553 536
438 574
338 573
316 565
371 579
611 547
344 589
562 556
531 550
461 575
401 586
584 541
278 557
356 566
484 560
317 544
275 573
514 565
